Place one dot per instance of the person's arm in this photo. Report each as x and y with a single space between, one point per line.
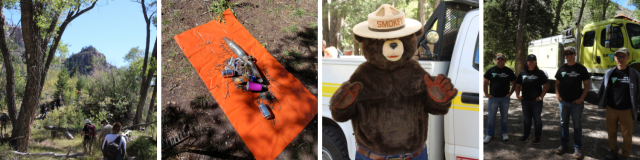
104 142
584 92
518 91
484 88
545 88
558 90
124 146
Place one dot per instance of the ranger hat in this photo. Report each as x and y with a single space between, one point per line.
87 121
532 57
386 22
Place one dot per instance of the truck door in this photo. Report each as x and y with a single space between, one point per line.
606 53
461 126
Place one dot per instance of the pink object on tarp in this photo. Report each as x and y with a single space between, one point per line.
295 106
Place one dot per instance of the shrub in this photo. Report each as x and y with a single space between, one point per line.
142 148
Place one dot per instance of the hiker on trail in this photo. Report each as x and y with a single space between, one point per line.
105 130
58 102
79 95
618 93
114 146
533 83
43 111
569 81
89 132
499 79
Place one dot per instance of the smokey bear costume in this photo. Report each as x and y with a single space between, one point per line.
389 97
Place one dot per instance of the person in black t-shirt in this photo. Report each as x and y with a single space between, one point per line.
58 102
533 83
618 93
570 78
499 79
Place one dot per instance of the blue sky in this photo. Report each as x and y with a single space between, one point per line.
112 27
624 4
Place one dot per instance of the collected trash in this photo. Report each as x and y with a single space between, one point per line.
245 75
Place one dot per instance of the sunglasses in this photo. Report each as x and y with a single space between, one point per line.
500 59
621 57
568 53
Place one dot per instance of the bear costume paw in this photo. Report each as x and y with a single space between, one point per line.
346 94
440 89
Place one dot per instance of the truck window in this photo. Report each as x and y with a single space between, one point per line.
476 58
617 39
634 34
588 38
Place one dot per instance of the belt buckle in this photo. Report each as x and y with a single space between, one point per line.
402 157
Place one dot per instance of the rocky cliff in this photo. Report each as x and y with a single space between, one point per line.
87 61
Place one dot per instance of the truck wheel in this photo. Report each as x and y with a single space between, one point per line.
334 144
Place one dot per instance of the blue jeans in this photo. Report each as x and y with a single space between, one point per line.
532 111
503 104
421 156
575 111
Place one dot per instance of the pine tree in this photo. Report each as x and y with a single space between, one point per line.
63 77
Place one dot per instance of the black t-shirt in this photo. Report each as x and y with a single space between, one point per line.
531 82
499 80
86 131
618 95
571 78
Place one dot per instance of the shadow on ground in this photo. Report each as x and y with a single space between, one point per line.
595 141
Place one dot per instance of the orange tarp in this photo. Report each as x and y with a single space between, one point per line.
295 106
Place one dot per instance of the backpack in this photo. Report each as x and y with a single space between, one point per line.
113 150
92 131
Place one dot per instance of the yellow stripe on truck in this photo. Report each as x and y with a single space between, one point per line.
329 88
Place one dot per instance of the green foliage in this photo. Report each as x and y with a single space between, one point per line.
5 152
61 85
134 54
499 30
219 6
291 28
142 148
81 83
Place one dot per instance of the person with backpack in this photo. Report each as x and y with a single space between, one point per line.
114 147
89 132
105 130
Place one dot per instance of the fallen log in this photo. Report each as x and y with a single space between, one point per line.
50 154
64 129
5 140
138 125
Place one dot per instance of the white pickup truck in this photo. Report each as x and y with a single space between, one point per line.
456 54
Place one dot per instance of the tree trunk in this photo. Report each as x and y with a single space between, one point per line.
152 102
520 55
334 25
423 18
144 89
605 5
325 20
356 47
584 2
554 31
145 79
10 96
35 60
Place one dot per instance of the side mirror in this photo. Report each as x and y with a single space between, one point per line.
432 37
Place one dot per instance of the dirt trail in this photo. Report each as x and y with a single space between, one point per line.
594 140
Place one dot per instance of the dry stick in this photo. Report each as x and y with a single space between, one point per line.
175 144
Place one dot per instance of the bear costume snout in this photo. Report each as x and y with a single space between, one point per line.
378 50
